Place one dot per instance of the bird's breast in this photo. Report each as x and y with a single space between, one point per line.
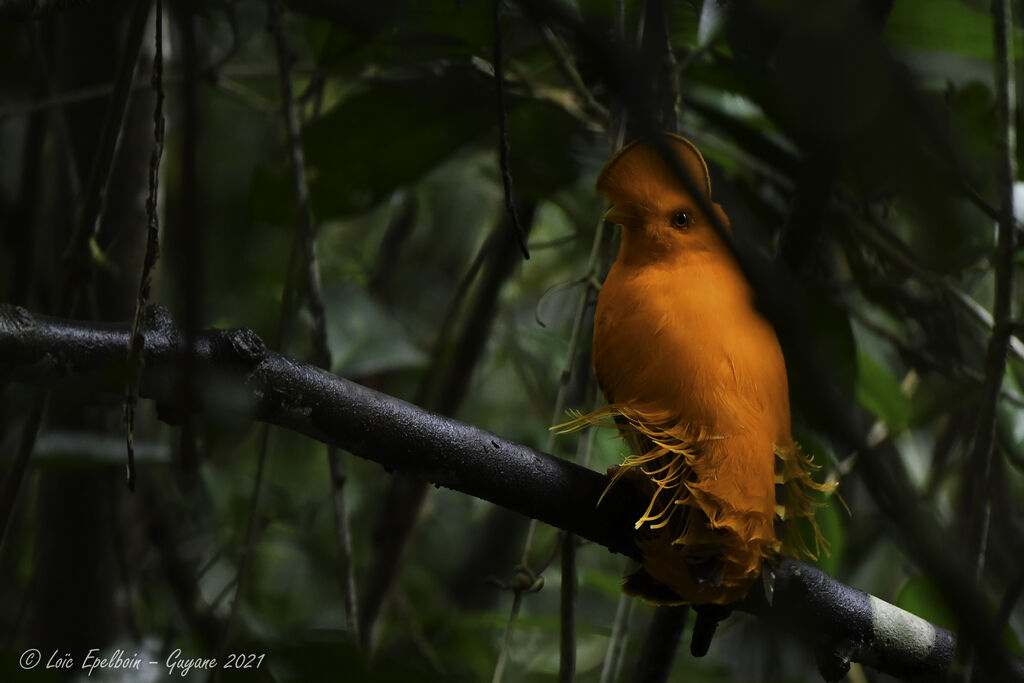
689 341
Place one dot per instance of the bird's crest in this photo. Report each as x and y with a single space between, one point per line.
638 170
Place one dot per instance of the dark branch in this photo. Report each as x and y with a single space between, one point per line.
842 623
269 387
660 645
1004 259
845 625
152 237
90 210
660 63
306 235
503 153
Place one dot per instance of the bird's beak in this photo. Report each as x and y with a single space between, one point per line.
622 215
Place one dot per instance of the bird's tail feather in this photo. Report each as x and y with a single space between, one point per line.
664 452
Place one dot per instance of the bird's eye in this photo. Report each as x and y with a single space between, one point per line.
680 220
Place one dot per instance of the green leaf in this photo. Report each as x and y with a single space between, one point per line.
945 233
406 33
880 392
830 329
936 397
1010 426
363 337
921 595
590 649
271 197
972 114
601 581
942 25
390 135
833 336
546 147
830 520
831 516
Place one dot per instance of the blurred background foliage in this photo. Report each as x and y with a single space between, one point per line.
853 141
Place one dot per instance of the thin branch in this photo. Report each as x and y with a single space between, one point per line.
339 477
76 252
444 329
322 352
55 100
558 410
19 464
1002 309
228 73
401 437
589 277
1010 598
400 509
878 235
250 97
567 612
617 641
60 119
506 641
443 388
20 244
162 528
189 263
252 529
503 156
400 227
418 637
234 43
563 60
620 68
152 243
922 358
567 622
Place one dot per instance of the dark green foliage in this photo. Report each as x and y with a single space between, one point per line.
852 144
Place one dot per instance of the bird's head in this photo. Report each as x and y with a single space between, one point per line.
660 218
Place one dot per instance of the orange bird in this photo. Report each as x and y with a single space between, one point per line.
696 381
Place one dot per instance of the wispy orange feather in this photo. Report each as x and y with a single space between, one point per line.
696 382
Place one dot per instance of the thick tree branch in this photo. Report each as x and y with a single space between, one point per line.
840 622
254 382
846 625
